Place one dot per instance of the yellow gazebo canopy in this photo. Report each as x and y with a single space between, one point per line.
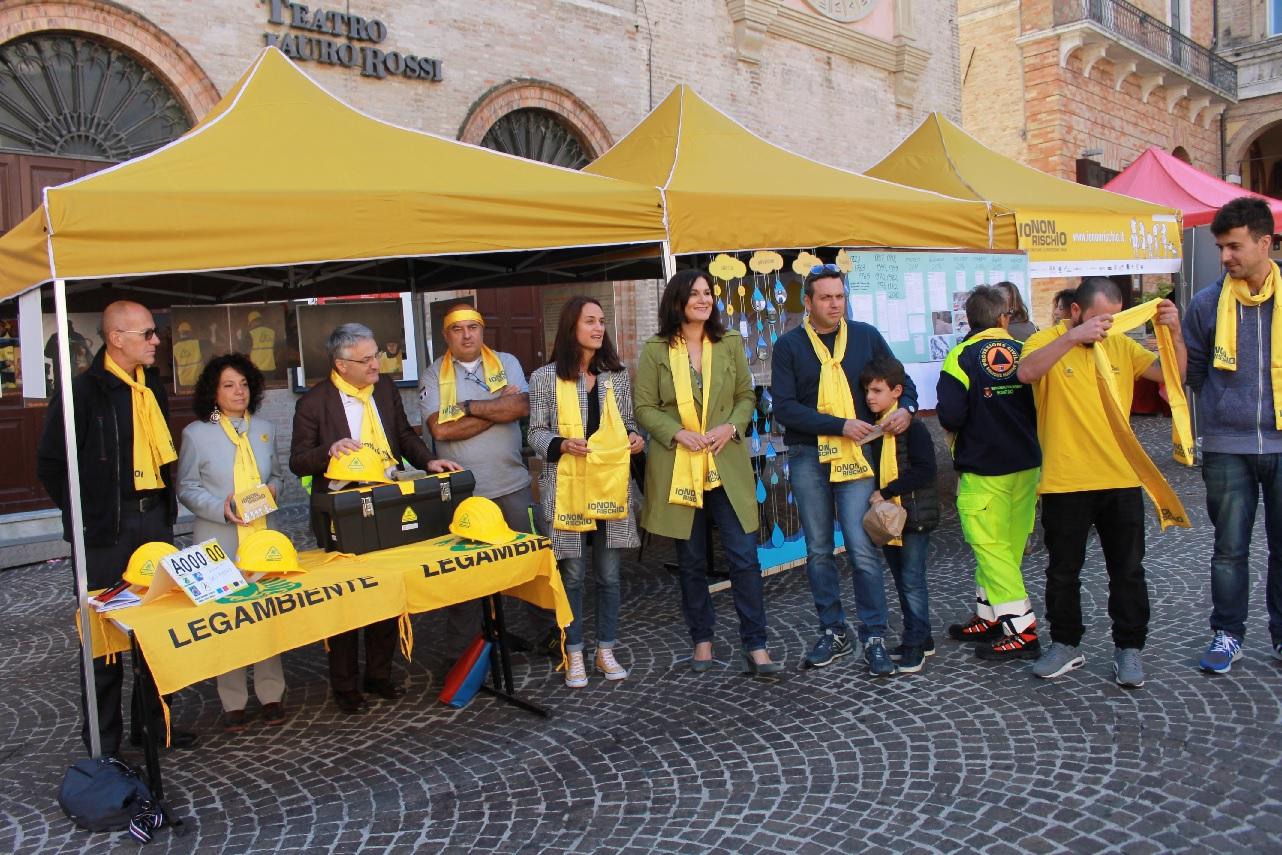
280 172
726 189
1068 229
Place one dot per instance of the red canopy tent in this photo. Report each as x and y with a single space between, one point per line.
1164 179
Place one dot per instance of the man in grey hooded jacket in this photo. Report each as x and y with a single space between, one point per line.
1231 330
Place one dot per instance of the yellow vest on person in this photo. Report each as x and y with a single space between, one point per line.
188 361
262 350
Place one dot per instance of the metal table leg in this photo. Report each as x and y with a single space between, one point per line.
495 629
149 698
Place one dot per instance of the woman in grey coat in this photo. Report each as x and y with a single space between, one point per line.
584 355
230 389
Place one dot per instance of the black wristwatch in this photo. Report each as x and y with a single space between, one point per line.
467 408
912 410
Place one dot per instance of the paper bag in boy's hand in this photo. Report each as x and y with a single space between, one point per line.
884 522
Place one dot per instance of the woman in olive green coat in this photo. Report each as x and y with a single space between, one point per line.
689 329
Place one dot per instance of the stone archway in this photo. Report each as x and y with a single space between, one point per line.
536 95
119 27
1239 145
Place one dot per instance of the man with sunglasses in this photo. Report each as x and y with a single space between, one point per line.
333 419
125 454
473 399
815 386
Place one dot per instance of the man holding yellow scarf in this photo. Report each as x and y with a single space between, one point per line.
1234 334
126 456
814 375
356 407
1094 474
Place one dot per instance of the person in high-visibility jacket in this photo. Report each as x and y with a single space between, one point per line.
390 359
262 343
187 356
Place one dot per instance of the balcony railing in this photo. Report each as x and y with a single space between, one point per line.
1142 30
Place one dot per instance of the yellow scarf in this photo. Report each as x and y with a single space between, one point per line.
491 365
1236 291
153 444
594 487
693 472
888 468
1170 510
847 459
245 474
372 435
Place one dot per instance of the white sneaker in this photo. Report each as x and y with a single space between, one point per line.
576 673
608 665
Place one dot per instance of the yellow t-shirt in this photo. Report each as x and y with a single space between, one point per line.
1079 451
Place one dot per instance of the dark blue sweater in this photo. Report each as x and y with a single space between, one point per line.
794 381
990 411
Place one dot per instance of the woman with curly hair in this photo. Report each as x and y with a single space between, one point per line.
222 451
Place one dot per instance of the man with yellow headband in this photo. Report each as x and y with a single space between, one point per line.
355 407
1233 330
473 400
1091 476
814 381
126 455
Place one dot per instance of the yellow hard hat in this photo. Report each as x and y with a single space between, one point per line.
253 316
267 551
364 465
184 327
145 561
479 518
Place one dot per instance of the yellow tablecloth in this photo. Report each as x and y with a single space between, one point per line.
185 644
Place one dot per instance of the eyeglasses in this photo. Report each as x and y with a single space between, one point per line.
147 334
369 360
825 268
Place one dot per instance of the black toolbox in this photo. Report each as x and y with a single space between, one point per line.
364 519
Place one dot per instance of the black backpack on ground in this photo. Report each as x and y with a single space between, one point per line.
105 794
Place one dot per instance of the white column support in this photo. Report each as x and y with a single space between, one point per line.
77 514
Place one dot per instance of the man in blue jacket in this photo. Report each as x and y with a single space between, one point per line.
814 373
1232 330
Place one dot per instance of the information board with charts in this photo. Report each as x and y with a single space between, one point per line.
918 299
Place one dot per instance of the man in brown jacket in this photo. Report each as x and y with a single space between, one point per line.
330 422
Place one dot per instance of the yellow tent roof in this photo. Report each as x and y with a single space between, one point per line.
1068 228
280 172
727 189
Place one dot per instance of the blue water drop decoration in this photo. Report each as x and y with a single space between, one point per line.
761 492
774 479
755 440
721 306
770 452
776 537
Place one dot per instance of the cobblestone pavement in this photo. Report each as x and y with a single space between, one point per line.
963 756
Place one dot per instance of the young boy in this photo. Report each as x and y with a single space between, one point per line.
905 467
998 459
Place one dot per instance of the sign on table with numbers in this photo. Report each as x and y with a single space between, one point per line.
203 572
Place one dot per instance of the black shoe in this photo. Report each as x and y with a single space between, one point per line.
927 649
518 644
976 629
550 646
760 669
179 739
351 703
385 689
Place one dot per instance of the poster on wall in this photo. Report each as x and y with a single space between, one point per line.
199 333
259 332
385 318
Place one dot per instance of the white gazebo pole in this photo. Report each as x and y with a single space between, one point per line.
669 262
77 514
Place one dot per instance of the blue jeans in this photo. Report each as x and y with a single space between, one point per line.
818 502
908 564
740 548
1234 484
573 573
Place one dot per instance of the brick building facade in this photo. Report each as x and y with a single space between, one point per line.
841 82
1080 88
